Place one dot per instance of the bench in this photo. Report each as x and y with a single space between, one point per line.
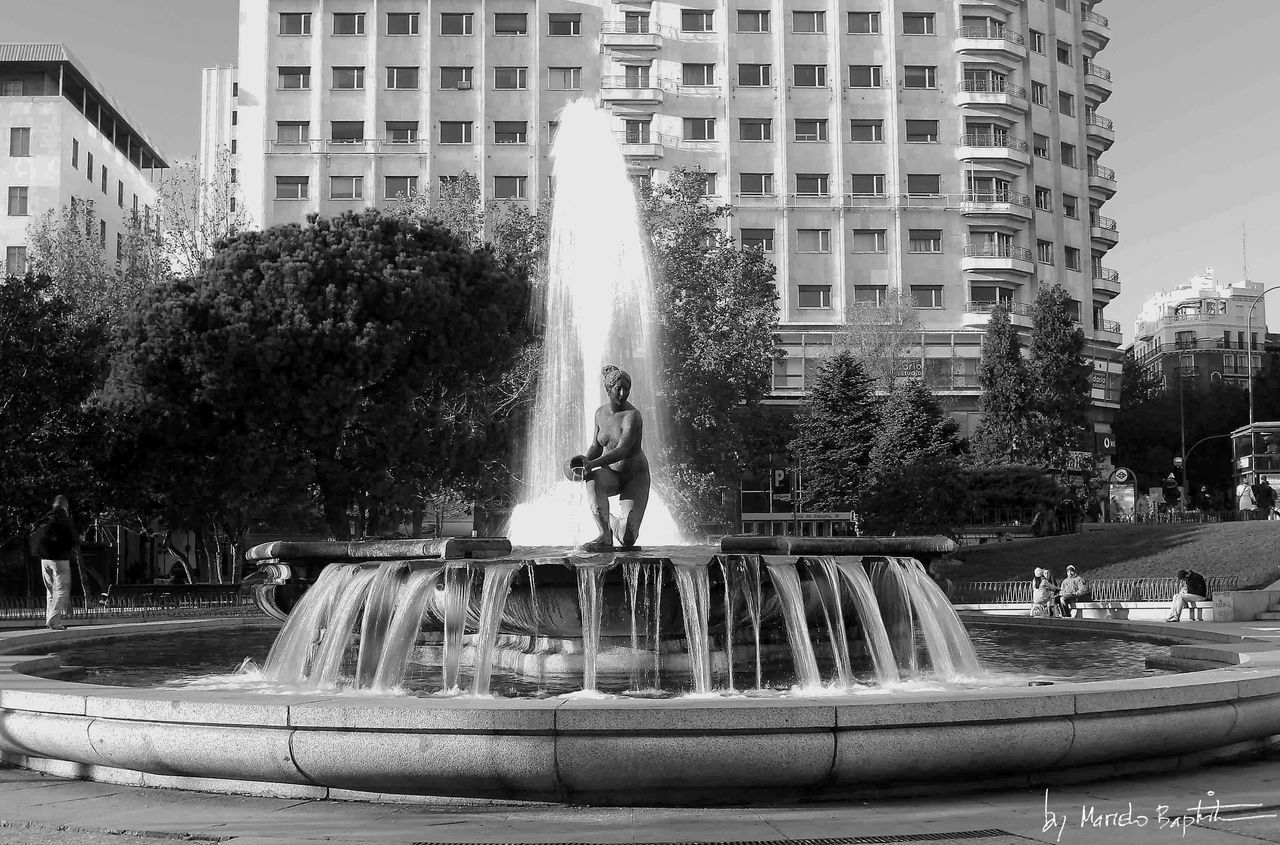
1111 598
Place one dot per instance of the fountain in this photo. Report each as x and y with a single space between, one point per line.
858 620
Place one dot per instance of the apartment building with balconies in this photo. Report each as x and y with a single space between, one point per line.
63 139
951 151
1203 332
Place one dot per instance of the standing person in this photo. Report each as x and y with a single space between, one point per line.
1265 495
1069 514
54 541
1245 502
1191 587
1072 589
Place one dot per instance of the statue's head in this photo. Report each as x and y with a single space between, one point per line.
614 378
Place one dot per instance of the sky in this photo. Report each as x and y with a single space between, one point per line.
1197 155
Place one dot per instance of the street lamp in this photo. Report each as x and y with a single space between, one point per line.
1253 305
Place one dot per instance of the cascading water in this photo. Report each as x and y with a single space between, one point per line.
597 309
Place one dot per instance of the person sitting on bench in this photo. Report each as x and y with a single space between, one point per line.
1191 588
1073 589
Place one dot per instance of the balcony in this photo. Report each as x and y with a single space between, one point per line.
990 39
643 145
978 314
1096 29
992 93
1107 326
1187 372
1100 129
998 257
1000 148
638 91
630 35
364 146
1102 181
1098 81
1106 281
1002 204
1103 229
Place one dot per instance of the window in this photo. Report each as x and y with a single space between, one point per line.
455 78
927 296
401 186
402 131
292 132
1071 206
294 78
753 21
120 190
813 184
811 130
510 132
1037 41
755 76
346 131
1066 103
864 23
102 234
348 78
699 128
990 295
510 23
925 240
869 294
1072 255
813 296
695 20
455 23
1040 145
1044 199
88 165
11 88
455 132
235 118
75 153
1044 252
1064 52
755 184
1068 154
402 23
103 180
810 76
924 184
868 184
233 146
920 76
565 78
119 246
922 131
1064 5
135 205
348 23
809 21
917 23
813 240
637 132
15 261
755 129
697 74
18 202
346 187
510 78
291 187
864 76
20 141
1040 94
509 187
635 76
295 23
869 240
564 23
866 131
761 239
402 77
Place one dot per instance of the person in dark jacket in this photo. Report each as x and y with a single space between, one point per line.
1191 587
54 541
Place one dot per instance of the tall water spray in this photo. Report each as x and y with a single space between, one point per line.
597 309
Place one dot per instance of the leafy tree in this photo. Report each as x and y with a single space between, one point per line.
455 203
835 434
885 337
1002 430
1057 377
1137 385
199 205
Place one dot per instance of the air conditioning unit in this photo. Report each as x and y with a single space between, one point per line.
464 86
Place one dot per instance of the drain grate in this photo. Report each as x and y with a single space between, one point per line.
844 840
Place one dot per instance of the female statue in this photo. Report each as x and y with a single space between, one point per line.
615 465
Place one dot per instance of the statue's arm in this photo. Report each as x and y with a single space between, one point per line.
628 442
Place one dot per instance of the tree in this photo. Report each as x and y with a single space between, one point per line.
885 336
341 356
1002 429
718 315
1059 390
199 205
835 434
1137 384
454 203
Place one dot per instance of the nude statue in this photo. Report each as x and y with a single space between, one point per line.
616 465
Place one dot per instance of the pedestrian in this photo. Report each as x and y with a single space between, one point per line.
54 542
1265 495
1245 502
1191 587
1205 499
1072 589
1069 514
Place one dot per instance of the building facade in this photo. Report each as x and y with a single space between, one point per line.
947 150
66 141
1202 332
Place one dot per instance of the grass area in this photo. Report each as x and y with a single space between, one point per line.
1248 550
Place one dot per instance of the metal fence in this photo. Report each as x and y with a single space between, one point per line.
205 600
1104 589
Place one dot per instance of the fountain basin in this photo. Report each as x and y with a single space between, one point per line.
617 751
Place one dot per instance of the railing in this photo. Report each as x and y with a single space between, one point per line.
1102 589
1102 172
990 32
1106 274
1188 372
634 28
1019 308
993 86
1100 222
1094 17
997 141
993 250
1108 326
132 601
995 197
627 137
1102 122
1097 70
379 146
635 84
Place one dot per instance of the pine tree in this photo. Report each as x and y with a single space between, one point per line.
835 434
1059 390
1002 373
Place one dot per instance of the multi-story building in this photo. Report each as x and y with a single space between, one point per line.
64 140
1202 332
947 150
